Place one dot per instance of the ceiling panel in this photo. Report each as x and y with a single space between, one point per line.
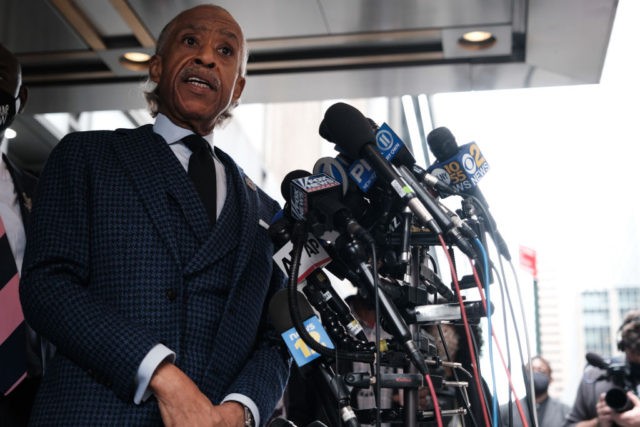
381 15
104 17
30 26
304 50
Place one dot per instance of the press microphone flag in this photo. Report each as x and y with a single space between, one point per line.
388 144
463 170
279 315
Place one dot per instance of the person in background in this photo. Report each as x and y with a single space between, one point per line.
148 263
22 352
550 411
590 408
452 345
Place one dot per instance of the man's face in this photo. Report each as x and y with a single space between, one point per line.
197 71
12 94
538 365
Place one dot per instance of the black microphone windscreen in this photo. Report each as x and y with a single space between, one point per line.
279 312
348 128
442 143
285 186
596 360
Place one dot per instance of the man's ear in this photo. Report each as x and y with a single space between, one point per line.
21 101
155 68
238 88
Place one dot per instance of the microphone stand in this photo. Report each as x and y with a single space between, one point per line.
411 396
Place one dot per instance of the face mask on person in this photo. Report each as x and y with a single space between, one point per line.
8 108
540 383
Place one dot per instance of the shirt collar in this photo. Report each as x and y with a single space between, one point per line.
173 133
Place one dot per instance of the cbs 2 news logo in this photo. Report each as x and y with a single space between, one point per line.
469 165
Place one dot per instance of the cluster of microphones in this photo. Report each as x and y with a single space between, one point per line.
369 216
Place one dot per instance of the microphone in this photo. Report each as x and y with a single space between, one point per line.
312 259
318 284
596 360
374 209
280 315
463 167
448 311
386 137
336 168
316 198
394 150
281 225
441 216
351 131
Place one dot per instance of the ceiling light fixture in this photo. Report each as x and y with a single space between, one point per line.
476 40
135 61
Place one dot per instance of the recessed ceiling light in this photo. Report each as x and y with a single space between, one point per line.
477 40
136 61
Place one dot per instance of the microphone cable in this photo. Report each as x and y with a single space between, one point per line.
504 364
465 321
298 238
487 287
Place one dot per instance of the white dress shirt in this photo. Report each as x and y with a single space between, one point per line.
10 214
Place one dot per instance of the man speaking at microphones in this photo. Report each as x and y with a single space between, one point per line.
151 273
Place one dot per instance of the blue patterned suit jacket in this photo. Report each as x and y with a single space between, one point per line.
121 256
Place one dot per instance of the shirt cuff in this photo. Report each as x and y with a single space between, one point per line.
244 400
158 354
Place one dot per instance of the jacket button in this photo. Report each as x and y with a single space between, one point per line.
171 294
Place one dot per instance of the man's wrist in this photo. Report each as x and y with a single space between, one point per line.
248 417
246 405
236 413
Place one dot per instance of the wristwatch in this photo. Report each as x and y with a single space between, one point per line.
248 418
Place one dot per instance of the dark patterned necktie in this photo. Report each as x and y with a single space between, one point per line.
13 341
202 171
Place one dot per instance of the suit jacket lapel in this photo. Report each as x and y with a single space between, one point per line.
147 159
247 207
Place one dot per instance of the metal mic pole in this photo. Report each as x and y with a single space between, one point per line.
411 395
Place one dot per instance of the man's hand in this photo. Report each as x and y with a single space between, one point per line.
183 404
630 418
604 413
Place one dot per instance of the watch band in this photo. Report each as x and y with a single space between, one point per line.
248 417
